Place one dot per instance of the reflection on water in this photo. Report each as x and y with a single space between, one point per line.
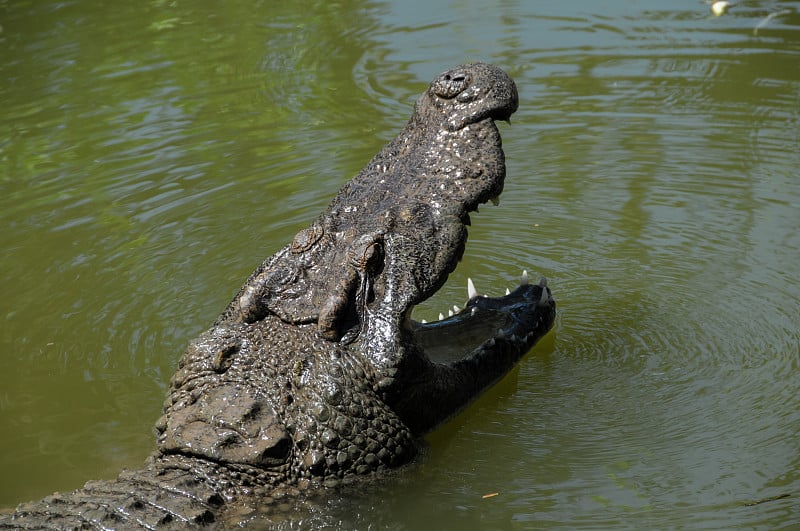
153 155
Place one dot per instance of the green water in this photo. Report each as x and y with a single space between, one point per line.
152 154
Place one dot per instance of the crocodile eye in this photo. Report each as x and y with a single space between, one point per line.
306 238
450 84
372 254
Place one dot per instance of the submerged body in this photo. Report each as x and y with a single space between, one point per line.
315 373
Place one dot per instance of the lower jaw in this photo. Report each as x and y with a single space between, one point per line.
482 321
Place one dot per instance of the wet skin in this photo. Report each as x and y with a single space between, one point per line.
315 373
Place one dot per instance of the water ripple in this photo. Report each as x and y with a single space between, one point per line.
651 178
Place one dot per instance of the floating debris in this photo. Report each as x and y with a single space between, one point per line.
768 18
765 500
720 7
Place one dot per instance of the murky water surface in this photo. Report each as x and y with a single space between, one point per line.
152 154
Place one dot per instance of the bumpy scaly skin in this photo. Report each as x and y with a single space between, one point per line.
282 399
407 208
315 374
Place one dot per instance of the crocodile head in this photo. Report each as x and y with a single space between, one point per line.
451 161
316 368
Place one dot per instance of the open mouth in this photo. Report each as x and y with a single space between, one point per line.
484 324
517 319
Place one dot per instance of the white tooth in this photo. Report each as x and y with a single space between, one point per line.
424 321
441 316
544 298
508 292
456 309
471 291
449 313
524 280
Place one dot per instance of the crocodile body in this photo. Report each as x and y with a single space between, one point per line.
315 374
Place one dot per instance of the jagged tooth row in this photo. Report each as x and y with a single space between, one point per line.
472 292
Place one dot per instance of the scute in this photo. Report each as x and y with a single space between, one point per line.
228 424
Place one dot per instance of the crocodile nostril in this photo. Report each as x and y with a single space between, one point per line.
450 84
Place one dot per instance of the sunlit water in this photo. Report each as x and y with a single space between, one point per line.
152 156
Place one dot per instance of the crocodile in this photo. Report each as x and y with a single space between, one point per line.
315 375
